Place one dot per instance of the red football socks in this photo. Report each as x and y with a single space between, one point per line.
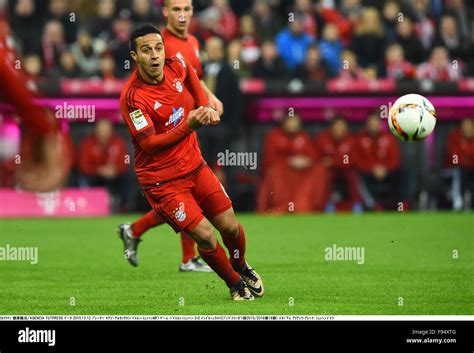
217 260
187 244
149 220
236 247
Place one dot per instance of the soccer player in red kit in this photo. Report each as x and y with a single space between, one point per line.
336 149
46 156
179 43
460 161
169 166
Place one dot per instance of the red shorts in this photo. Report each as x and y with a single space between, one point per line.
184 202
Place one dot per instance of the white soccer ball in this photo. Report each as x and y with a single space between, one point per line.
412 118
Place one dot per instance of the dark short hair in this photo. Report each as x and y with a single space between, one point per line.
141 31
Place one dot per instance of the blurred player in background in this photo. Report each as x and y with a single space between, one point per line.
45 155
336 149
100 162
379 165
178 42
176 180
460 161
292 181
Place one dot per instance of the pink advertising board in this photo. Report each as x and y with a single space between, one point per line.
268 109
64 203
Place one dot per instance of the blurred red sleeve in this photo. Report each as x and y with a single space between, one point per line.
86 163
123 152
365 163
308 149
353 153
393 155
271 152
318 147
453 147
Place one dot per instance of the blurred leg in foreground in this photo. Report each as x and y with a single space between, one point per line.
43 165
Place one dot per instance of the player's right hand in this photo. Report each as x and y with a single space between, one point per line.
198 117
214 117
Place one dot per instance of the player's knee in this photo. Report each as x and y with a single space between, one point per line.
206 238
230 228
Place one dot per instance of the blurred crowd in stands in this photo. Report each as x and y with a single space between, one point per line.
343 170
308 39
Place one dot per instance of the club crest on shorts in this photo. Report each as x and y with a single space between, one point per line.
179 213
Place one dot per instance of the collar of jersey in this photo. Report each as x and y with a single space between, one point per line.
174 35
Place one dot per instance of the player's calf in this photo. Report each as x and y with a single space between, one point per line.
233 237
236 246
214 255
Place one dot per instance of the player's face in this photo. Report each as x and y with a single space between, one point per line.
150 57
292 125
395 54
214 49
439 57
103 131
339 130
467 128
179 13
373 125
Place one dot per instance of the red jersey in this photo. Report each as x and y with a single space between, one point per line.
279 146
382 149
150 109
183 48
92 155
343 153
461 147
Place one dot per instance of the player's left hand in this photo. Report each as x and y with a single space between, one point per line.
216 104
300 162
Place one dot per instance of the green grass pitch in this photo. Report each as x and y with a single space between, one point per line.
421 260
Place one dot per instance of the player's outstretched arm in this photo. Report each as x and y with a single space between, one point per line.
156 143
198 91
194 86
